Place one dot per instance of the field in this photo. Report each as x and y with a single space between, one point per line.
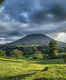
23 69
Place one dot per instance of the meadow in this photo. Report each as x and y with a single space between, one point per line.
25 69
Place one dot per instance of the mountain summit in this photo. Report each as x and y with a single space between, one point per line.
33 39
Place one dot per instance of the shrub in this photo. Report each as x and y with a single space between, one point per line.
2 53
16 53
64 57
38 55
53 49
1 1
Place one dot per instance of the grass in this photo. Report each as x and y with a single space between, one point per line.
23 69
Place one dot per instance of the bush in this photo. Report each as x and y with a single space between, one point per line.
45 56
1 1
64 57
38 55
16 53
2 53
53 49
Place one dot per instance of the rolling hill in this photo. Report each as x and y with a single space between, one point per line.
33 39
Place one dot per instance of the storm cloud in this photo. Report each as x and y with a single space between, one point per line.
20 18
36 11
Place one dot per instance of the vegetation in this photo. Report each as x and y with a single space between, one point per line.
64 57
1 1
38 55
16 53
53 49
2 53
23 69
33 63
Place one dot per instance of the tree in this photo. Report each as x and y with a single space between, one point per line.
64 57
1 1
16 53
2 53
38 55
53 49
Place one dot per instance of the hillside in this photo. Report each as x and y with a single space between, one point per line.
33 39
23 69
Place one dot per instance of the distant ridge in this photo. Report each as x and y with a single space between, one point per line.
33 39
36 39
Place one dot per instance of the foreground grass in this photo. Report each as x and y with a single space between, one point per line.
21 69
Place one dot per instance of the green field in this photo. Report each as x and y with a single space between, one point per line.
23 69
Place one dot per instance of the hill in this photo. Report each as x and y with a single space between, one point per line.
33 39
23 69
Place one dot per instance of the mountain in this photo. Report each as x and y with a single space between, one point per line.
33 39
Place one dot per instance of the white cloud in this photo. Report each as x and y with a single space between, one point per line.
59 36
1 9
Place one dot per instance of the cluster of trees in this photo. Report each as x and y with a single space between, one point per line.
2 53
13 53
16 53
1 1
51 51
64 56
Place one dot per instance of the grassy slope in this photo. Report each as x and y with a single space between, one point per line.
20 69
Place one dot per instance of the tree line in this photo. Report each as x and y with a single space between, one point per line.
50 51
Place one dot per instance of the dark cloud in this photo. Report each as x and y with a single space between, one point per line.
58 11
19 18
36 10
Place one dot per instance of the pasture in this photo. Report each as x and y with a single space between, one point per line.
24 69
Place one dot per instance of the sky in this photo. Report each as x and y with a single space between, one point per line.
20 18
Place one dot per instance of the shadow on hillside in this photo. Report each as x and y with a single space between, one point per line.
48 79
23 76
51 61
18 77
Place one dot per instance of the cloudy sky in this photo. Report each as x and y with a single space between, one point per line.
20 18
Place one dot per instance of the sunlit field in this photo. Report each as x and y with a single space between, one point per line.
24 69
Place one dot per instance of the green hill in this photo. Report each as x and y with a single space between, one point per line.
22 69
